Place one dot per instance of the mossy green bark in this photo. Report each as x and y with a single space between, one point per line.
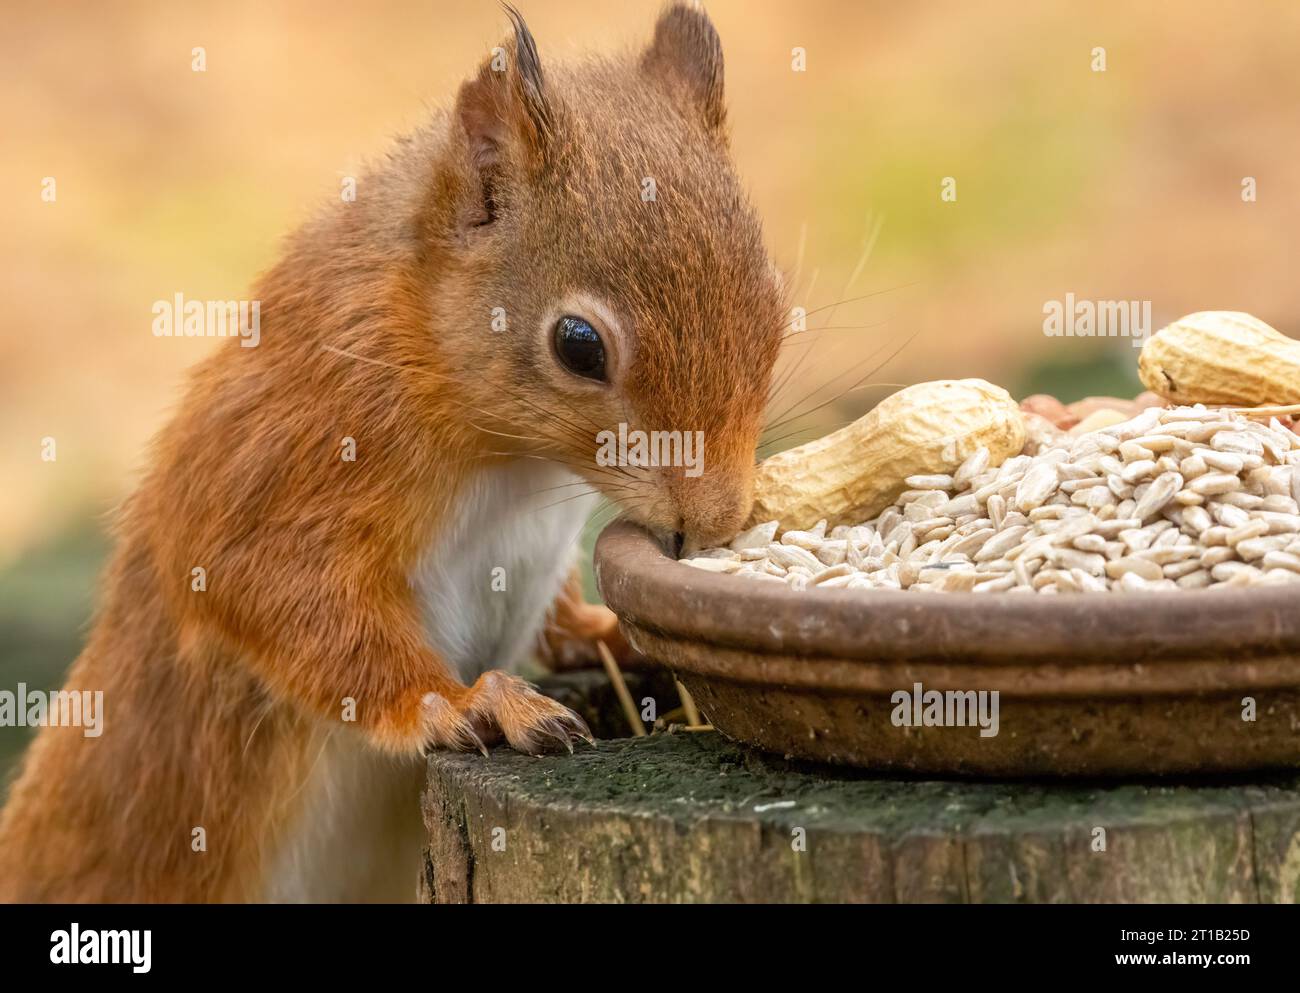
691 817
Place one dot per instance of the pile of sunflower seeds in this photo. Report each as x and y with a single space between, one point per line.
1176 498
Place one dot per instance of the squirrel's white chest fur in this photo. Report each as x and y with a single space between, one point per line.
489 577
484 586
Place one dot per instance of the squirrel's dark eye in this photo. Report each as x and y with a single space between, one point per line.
579 348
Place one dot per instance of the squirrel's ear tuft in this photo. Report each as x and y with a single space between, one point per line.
687 54
504 106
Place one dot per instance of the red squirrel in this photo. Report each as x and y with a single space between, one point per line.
285 630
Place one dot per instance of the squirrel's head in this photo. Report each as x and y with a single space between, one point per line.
625 314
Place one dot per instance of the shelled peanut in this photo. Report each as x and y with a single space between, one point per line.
854 473
1222 357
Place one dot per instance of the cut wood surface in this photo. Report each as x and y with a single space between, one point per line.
691 817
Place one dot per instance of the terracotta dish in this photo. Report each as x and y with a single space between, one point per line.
1100 684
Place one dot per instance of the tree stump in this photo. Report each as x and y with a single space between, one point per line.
691 817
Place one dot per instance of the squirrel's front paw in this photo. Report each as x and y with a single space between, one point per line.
446 727
500 705
568 641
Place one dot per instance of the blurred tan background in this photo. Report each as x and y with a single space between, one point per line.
1123 184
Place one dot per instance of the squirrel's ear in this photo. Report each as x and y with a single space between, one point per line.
503 111
687 54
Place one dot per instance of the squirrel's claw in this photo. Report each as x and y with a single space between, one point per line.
568 728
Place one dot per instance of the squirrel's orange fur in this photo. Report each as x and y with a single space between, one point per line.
376 325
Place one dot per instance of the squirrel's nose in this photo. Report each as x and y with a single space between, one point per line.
715 526
713 510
